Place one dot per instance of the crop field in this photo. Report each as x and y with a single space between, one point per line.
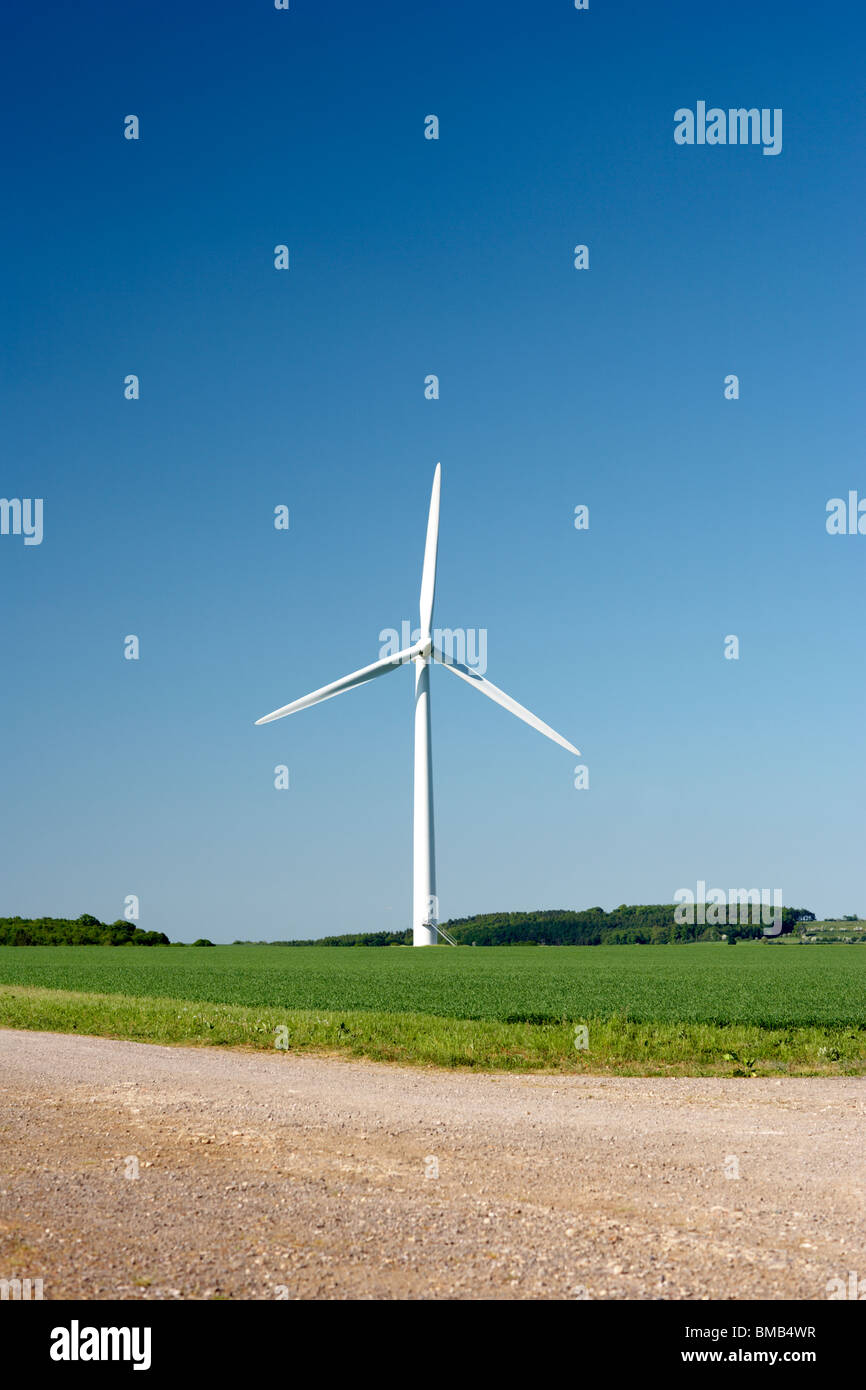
691 1009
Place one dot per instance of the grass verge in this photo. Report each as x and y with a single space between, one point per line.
617 1046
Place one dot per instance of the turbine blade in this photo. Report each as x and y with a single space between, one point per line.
428 574
494 693
327 692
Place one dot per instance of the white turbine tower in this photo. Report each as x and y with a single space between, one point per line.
425 911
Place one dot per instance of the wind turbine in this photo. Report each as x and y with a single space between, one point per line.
425 911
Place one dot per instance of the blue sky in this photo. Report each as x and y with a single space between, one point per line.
306 387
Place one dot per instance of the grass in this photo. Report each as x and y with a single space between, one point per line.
615 1045
680 1010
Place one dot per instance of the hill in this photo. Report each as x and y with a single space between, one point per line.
650 925
644 924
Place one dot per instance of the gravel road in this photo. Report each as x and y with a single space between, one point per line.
274 1176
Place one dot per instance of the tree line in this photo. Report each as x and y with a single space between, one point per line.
651 924
640 925
643 924
85 930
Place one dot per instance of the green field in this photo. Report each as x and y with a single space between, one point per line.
756 1008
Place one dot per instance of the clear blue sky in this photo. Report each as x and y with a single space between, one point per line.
558 387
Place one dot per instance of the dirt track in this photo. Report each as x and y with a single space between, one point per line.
277 1176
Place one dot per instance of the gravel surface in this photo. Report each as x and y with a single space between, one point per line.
274 1176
